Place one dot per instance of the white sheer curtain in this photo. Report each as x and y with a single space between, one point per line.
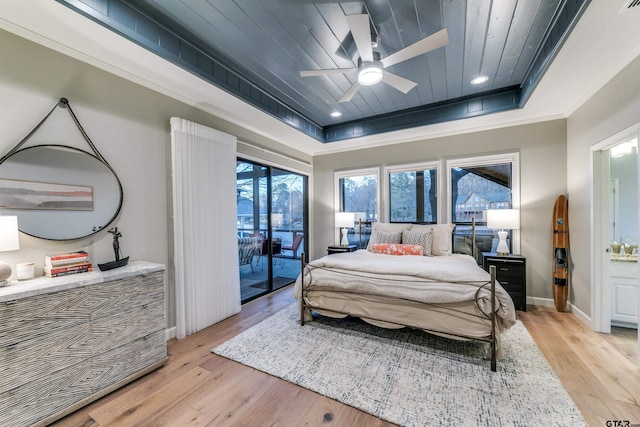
207 280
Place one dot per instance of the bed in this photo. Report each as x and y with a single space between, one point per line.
443 293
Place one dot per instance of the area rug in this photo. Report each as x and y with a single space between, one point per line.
408 377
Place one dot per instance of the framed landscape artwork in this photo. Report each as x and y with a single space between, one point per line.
18 194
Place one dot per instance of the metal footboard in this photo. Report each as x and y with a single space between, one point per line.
492 339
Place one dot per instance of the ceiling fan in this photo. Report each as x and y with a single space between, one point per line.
371 67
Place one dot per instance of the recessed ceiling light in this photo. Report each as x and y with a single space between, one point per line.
480 79
336 114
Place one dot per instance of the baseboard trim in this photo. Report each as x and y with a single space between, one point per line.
170 333
548 302
544 302
581 315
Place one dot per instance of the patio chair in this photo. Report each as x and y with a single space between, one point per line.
246 250
293 247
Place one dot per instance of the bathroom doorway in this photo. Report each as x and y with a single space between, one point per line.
615 294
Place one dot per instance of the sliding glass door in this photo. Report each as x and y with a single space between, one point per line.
272 227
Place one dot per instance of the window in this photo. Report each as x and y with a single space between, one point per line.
479 184
357 191
474 185
412 193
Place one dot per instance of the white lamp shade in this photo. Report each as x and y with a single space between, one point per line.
9 236
504 219
345 219
360 216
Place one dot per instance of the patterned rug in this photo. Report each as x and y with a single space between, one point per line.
408 377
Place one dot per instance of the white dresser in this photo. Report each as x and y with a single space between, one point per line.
67 341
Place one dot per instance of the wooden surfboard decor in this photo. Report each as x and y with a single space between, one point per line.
560 255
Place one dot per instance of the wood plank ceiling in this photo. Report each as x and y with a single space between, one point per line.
266 43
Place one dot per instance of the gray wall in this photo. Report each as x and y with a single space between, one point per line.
129 125
612 109
542 149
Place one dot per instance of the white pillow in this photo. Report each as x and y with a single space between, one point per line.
387 228
442 237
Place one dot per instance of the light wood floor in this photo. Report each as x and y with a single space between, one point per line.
198 388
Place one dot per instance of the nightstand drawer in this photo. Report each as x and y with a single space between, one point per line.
510 283
508 270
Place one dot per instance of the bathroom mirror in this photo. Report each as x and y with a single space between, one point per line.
59 192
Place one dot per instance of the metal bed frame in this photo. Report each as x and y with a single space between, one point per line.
491 339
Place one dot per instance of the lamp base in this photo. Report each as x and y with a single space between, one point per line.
345 239
5 273
503 248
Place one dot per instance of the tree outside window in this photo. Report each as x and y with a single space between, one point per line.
412 196
357 192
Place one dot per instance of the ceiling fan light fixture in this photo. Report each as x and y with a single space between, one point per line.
370 74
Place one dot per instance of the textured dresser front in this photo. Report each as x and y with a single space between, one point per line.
63 349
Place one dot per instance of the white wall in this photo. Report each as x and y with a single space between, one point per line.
128 124
542 150
612 109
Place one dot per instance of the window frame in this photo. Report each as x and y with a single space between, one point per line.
411 167
514 159
348 174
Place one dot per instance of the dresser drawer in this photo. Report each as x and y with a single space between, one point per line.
129 325
29 403
127 295
115 365
27 360
34 316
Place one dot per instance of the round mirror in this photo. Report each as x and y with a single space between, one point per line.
59 192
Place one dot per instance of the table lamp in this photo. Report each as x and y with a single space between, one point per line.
345 220
504 219
9 241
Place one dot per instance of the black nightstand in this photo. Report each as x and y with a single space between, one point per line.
338 249
511 272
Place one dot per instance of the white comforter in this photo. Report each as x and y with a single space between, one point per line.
438 279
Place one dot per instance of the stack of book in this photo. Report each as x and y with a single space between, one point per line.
70 263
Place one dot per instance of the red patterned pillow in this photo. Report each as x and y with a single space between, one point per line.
396 249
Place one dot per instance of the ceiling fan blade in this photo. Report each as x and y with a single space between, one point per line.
397 82
349 94
361 32
308 73
427 44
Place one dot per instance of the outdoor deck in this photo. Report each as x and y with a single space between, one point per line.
253 278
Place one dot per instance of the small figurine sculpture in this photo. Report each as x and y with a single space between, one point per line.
116 249
116 243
